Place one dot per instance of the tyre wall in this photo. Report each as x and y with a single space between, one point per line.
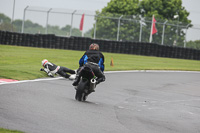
82 44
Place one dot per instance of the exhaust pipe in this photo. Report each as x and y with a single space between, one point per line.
92 84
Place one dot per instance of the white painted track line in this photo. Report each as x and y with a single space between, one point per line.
46 79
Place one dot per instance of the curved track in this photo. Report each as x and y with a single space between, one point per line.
140 102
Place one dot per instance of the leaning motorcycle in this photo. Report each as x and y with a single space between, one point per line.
86 84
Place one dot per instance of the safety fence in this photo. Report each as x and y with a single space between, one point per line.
82 43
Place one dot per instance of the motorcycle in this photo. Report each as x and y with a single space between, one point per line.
86 84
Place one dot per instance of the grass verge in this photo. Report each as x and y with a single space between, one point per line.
2 130
23 63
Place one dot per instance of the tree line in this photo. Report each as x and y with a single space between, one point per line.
136 12
35 28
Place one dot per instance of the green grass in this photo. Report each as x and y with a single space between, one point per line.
22 63
2 130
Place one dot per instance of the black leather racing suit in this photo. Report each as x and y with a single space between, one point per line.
95 60
52 69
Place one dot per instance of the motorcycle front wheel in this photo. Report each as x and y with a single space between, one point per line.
81 95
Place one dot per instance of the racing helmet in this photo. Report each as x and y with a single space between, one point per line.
44 62
94 46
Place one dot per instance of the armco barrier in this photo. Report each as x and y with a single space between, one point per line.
82 43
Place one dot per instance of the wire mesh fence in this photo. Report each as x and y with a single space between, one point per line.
106 26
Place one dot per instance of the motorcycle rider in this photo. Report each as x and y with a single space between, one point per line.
94 59
52 69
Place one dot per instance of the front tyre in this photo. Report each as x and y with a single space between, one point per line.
81 94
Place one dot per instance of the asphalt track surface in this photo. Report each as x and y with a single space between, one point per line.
127 102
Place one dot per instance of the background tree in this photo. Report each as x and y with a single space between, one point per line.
17 25
88 33
5 22
107 27
194 44
4 18
136 13
34 28
166 10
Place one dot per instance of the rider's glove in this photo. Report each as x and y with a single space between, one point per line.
75 83
41 69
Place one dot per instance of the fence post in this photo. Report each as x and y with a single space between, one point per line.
177 25
163 34
13 14
47 20
72 22
24 19
140 37
186 35
95 27
118 27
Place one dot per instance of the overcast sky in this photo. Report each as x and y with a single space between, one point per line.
6 6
